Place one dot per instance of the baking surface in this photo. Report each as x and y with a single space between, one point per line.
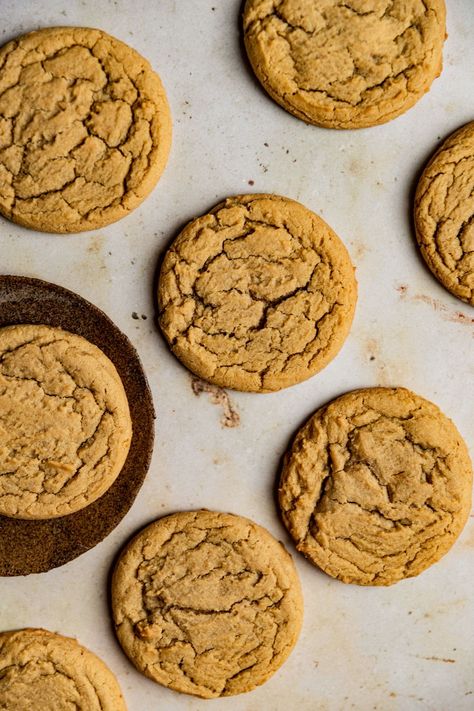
405 647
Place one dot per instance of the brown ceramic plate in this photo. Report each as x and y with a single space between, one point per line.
37 546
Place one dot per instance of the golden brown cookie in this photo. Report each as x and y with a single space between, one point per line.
42 671
85 129
444 214
376 486
257 295
206 603
65 426
345 63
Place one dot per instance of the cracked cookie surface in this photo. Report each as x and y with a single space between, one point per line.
444 214
345 63
42 670
65 427
376 486
206 603
257 295
85 129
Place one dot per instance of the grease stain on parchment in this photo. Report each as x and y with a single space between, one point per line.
93 269
358 249
389 372
447 313
218 396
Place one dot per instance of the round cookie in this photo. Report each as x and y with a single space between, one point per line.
345 63
376 486
65 448
42 670
257 295
85 129
206 603
444 214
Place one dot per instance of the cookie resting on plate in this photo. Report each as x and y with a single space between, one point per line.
65 427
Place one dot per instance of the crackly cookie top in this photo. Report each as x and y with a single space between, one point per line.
376 487
206 603
85 129
257 295
345 63
444 214
45 671
65 426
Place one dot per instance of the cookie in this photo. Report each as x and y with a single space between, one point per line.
206 603
345 63
28 546
376 486
444 214
257 295
65 427
85 129
42 670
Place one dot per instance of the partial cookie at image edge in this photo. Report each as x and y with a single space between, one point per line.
66 449
79 677
444 213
